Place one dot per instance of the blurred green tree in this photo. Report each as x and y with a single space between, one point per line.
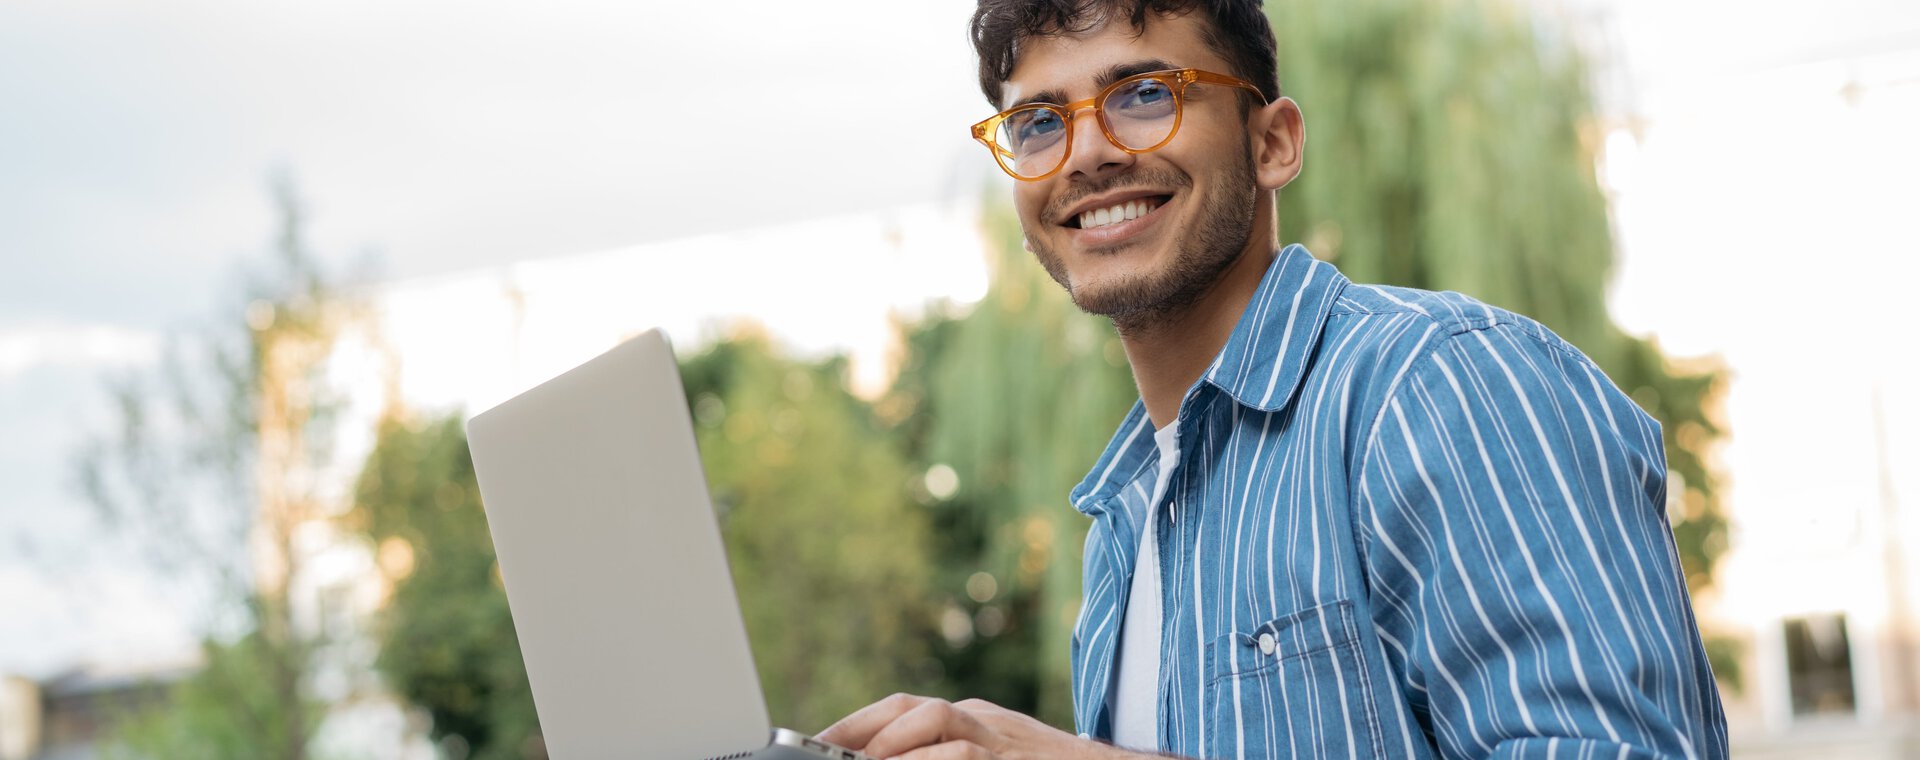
1453 147
230 710
209 470
446 637
828 550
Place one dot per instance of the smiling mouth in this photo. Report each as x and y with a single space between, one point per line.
1116 213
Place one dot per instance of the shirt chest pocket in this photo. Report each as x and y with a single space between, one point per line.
1295 686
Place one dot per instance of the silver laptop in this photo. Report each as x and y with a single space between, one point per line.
614 568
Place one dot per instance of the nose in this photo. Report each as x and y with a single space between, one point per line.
1093 155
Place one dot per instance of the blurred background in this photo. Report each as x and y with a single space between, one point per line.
258 261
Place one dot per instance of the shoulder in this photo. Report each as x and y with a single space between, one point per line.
1429 347
1449 314
1423 327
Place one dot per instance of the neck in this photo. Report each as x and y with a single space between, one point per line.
1170 354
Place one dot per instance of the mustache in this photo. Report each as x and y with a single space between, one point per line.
1158 177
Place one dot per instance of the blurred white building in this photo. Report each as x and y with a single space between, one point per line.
1764 212
64 717
1822 591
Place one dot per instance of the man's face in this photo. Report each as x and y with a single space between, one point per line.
1199 190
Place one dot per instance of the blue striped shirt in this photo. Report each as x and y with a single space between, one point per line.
1404 524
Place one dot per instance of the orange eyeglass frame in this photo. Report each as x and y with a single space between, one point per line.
1181 79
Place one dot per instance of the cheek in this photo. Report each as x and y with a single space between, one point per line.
1029 201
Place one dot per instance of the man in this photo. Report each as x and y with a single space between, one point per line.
1343 520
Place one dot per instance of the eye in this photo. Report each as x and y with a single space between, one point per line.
1145 98
1034 127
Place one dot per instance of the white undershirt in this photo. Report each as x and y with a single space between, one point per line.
1136 699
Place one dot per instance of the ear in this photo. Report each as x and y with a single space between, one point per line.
1279 135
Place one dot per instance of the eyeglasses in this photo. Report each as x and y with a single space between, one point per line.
1138 114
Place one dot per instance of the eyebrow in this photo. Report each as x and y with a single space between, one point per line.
1113 74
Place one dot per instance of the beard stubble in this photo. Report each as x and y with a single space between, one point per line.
1219 234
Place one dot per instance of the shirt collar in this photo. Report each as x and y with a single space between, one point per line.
1269 350
1260 366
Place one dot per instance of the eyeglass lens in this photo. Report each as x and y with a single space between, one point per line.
1140 114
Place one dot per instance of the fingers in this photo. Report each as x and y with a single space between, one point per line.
978 706
930 722
953 750
858 729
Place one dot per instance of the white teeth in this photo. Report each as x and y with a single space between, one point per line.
1116 213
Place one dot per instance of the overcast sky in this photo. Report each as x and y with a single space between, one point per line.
446 135
136 140
428 137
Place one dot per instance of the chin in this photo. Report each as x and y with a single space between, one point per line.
1119 294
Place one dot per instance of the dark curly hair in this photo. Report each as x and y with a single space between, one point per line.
1236 29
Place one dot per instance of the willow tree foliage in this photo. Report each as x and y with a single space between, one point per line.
1451 146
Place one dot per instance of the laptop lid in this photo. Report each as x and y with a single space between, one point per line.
613 563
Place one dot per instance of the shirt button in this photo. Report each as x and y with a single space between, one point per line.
1266 643
1084 736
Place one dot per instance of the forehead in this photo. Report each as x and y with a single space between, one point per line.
1072 63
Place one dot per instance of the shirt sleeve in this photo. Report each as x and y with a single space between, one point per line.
1523 573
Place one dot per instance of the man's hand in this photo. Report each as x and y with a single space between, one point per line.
924 728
